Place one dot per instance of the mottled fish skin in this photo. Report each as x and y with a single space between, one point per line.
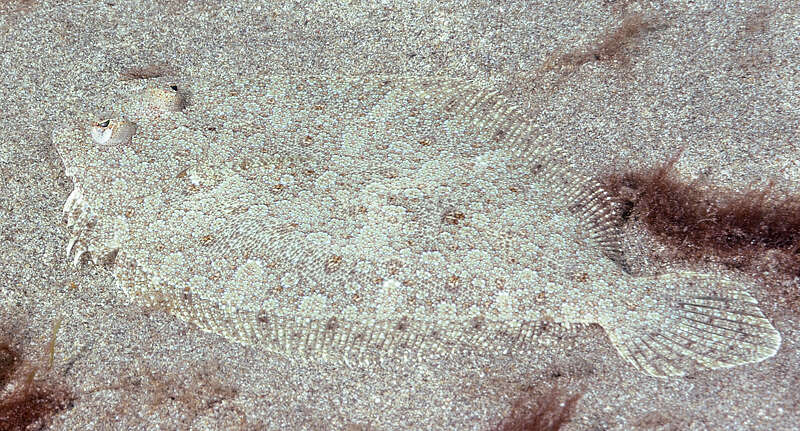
358 218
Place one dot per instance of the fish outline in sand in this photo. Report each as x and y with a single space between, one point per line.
362 217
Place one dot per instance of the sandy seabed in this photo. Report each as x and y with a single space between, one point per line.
623 83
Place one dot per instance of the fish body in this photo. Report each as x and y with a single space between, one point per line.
366 217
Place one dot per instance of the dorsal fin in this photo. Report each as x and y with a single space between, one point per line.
508 125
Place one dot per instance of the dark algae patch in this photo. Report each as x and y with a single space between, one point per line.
756 230
27 402
549 412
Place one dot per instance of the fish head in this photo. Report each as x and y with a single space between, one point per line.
119 154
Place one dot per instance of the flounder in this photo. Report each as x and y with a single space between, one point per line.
356 218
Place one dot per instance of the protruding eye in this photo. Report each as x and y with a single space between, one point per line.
166 98
112 131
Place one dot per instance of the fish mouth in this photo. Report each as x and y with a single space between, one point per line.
81 221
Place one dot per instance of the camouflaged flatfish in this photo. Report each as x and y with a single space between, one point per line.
369 217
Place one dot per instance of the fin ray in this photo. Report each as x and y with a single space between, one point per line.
725 329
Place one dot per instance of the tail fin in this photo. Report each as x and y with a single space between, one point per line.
689 321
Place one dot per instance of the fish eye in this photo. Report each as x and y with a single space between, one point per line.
165 98
112 132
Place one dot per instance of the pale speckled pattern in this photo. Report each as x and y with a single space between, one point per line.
362 218
717 79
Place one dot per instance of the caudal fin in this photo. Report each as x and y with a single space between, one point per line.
687 321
